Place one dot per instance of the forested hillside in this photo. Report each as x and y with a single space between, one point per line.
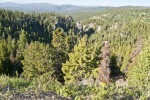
126 30
100 55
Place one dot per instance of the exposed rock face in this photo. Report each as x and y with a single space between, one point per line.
84 27
89 26
69 18
114 26
57 23
89 29
79 26
64 22
121 83
87 81
98 29
67 23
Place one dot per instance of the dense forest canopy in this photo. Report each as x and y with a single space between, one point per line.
84 58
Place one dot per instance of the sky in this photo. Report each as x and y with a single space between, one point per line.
86 2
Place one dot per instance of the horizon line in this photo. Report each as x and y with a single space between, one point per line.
76 5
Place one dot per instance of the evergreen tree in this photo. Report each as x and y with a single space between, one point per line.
58 39
21 45
9 43
1 67
126 59
1 29
37 61
3 49
60 53
6 65
135 52
69 43
139 74
79 65
14 47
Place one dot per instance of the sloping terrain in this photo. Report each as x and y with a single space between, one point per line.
103 55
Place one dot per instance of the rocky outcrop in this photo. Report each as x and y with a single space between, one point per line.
99 29
57 23
63 22
69 18
79 26
121 83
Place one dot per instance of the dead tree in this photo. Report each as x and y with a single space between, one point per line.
104 73
136 51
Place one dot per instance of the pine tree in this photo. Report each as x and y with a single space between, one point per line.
21 45
60 54
3 55
69 43
6 65
126 59
3 49
37 61
14 47
1 67
58 39
79 65
139 74
1 28
9 43
59 45
135 52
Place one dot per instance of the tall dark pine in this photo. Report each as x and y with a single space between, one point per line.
58 43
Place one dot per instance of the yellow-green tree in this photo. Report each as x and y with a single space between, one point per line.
58 43
58 39
79 64
126 59
139 74
21 45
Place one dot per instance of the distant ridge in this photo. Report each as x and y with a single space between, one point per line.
38 7
63 9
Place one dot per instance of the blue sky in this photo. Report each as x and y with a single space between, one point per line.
87 2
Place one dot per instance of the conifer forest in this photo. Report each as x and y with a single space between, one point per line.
102 55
